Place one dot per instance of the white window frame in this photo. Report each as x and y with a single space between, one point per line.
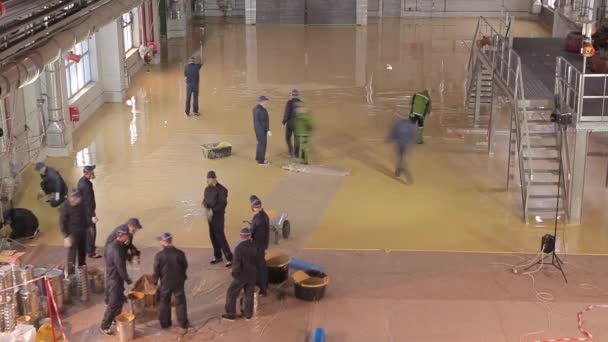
549 3
127 31
79 75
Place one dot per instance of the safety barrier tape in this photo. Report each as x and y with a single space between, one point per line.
579 320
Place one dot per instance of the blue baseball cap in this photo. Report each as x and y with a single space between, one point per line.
121 232
89 168
165 237
263 98
245 231
39 166
134 222
75 193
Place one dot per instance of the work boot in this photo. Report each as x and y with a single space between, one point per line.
107 332
419 137
229 317
215 261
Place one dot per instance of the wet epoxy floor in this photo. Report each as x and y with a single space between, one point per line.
354 79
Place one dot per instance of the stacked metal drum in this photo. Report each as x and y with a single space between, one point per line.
55 277
8 305
29 296
83 283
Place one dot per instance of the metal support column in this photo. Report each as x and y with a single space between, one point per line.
577 183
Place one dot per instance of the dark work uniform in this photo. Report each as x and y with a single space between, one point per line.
116 275
73 223
191 72
260 233
52 182
131 249
244 271
23 223
402 134
216 199
170 267
85 187
261 126
289 120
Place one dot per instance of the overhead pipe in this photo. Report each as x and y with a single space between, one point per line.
26 68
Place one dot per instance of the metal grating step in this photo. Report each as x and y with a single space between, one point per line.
543 196
539 183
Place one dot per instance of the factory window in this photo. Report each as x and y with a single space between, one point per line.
127 30
78 74
550 3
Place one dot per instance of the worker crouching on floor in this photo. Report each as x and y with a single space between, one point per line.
52 185
170 266
303 129
421 107
132 226
244 271
73 223
116 276
260 233
23 223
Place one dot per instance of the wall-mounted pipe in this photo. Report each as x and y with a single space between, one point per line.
27 67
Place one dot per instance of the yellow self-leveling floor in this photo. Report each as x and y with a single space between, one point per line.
353 79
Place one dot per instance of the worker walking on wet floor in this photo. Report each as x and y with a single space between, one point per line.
52 184
132 226
421 107
244 273
261 126
215 201
116 276
260 233
289 122
170 267
85 188
73 224
402 134
303 128
192 76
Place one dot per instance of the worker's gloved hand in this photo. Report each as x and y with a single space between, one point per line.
209 214
56 196
269 133
94 220
67 241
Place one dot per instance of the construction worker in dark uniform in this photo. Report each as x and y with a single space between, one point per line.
289 122
23 223
85 188
170 266
215 201
132 226
402 134
261 125
52 184
260 233
191 75
421 107
73 223
303 129
243 276
116 276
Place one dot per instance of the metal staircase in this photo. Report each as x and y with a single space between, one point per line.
495 70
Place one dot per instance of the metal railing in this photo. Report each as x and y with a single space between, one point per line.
505 64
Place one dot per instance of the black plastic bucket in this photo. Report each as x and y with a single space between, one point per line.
312 288
278 267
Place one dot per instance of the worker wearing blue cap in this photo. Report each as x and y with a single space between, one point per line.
244 272
170 267
85 187
260 233
261 125
52 184
132 226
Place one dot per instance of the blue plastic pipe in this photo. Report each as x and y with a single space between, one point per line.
318 335
303 265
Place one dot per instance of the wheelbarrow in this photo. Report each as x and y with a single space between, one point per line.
279 225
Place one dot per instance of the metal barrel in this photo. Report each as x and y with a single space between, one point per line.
125 324
83 283
96 280
39 272
27 274
67 290
55 276
136 302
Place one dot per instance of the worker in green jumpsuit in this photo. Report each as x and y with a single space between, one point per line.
303 128
421 107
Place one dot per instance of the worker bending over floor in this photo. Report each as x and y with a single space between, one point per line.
85 188
116 276
243 276
52 185
73 223
421 107
303 129
132 226
170 266
260 233
23 223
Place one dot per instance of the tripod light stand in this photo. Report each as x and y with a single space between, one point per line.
548 241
